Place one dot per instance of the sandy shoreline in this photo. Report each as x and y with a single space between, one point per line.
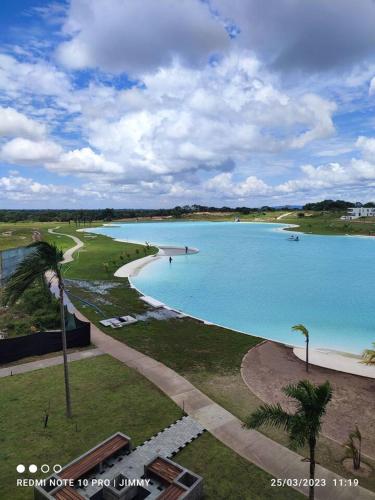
133 268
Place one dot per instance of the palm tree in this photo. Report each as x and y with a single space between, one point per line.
304 425
305 333
354 445
44 258
368 356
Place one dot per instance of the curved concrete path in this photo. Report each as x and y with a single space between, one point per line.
284 215
68 255
255 447
47 362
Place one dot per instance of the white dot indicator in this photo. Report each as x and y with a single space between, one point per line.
44 468
33 468
57 468
20 468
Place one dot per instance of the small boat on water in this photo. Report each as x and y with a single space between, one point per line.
293 238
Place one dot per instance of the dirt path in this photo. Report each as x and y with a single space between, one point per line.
284 215
270 366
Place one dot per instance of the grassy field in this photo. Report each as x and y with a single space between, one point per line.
227 475
20 234
330 224
107 397
101 256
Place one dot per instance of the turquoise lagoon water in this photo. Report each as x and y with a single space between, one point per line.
249 277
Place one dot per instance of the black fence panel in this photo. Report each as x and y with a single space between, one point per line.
36 344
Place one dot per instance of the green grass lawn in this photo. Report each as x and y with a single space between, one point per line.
229 476
107 397
102 256
18 234
330 224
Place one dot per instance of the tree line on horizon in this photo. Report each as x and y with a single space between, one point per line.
87 216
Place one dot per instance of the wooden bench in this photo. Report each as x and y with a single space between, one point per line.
163 469
173 492
94 458
68 493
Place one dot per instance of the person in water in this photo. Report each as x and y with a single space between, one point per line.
170 260
186 249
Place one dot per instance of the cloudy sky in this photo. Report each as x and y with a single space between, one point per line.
144 103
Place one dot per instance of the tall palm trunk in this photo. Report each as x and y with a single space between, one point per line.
64 346
307 353
312 444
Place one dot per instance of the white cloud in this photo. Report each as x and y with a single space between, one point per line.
303 36
367 147
17 188
24 151
13 123
37 78
132 35
187 120
83 161
224 185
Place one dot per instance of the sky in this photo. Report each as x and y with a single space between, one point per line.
145 104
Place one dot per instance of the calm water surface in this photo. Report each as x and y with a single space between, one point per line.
249 277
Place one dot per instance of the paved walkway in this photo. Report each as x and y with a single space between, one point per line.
47 362
284 215
254 446
68 255
336 361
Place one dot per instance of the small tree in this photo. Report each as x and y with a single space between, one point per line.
305 333
354 445
304 425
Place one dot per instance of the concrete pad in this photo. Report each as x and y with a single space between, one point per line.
192 401
47 362
212 416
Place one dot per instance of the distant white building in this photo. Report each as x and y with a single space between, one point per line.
356 212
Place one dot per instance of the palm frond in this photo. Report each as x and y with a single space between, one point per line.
323 394
298 431
368 356
270 415
302 329
303 392
43 258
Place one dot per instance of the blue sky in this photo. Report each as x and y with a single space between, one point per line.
136 103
